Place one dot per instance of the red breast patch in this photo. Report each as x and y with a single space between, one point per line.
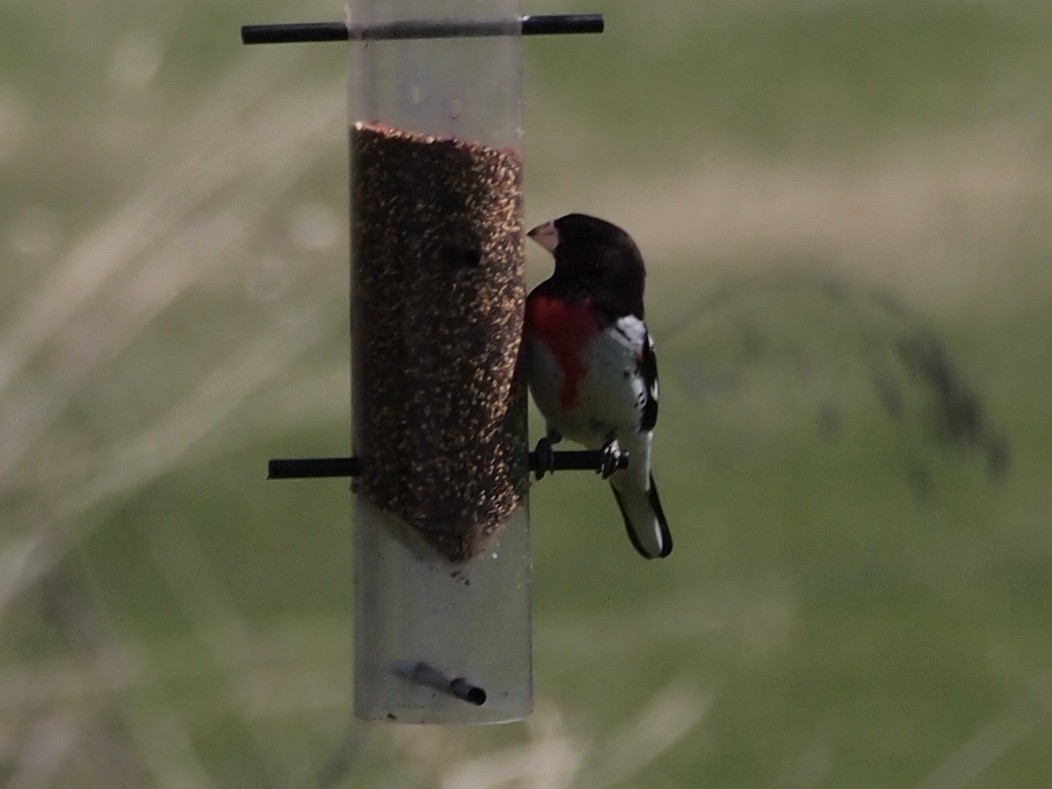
566 327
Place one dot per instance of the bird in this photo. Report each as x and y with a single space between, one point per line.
590 363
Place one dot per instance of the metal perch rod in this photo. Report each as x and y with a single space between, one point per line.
424 674
295 32
318 468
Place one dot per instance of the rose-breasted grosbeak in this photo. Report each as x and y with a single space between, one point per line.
591 364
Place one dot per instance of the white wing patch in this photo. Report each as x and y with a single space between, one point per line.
630 332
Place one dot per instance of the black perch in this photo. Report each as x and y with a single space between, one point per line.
319 468
536 25
424 674
313 468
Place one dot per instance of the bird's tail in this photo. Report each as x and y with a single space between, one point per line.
644 519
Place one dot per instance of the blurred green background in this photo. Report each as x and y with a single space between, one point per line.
845 208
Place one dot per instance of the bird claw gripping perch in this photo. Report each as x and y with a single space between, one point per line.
613 459
544 458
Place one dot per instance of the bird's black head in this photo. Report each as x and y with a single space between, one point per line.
596 258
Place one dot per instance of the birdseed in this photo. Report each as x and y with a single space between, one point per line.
437 302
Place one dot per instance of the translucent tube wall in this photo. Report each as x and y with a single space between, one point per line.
441 524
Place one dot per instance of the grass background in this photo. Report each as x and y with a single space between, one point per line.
845 208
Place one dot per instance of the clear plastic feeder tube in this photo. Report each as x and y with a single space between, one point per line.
442 556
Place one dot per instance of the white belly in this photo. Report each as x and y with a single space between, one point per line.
608 399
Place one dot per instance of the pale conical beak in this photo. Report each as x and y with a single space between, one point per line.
546 235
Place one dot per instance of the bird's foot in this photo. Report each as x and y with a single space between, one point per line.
613 458
545 454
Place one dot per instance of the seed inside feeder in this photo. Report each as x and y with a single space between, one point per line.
438 296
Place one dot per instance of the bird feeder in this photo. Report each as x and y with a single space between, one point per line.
441 464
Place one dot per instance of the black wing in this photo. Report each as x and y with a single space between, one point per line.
648 369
